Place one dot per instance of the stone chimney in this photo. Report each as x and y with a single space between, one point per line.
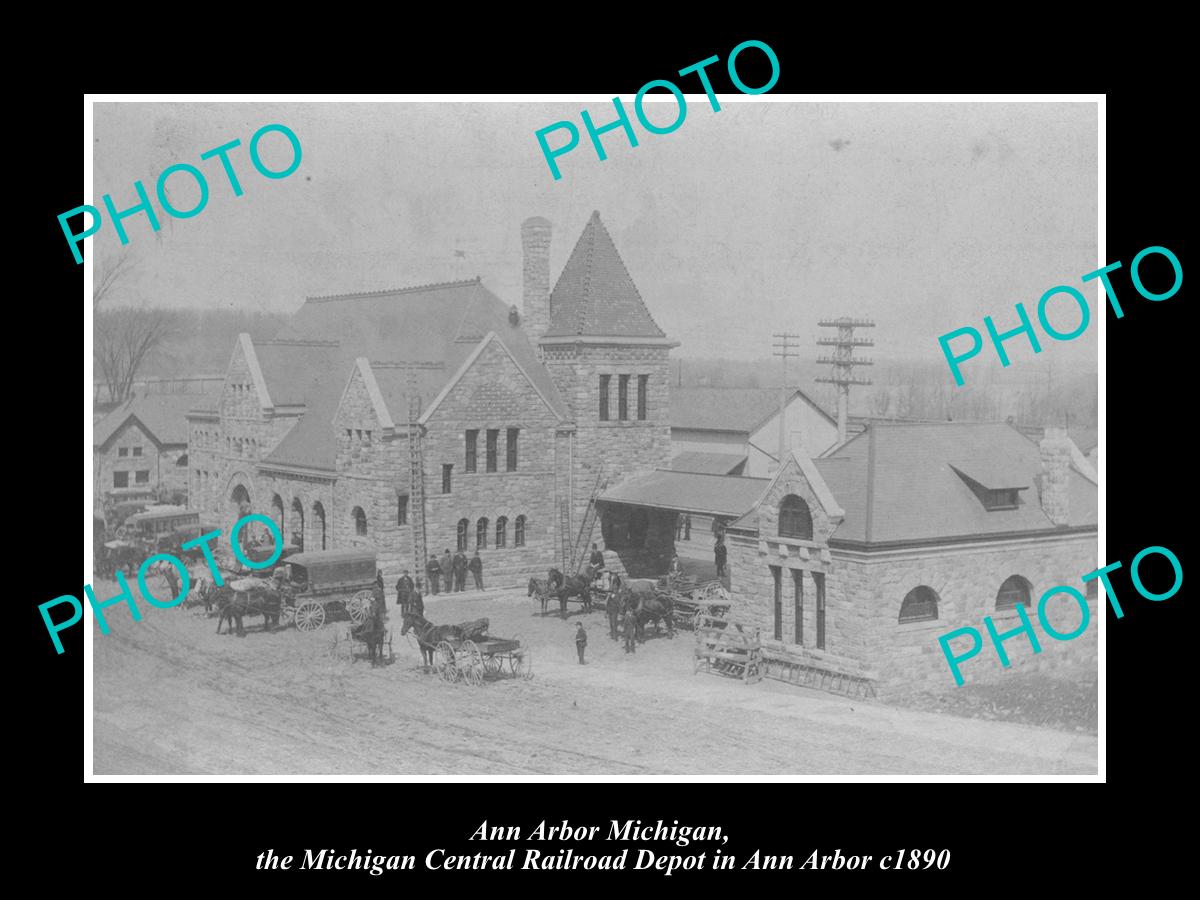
1054 483
535 246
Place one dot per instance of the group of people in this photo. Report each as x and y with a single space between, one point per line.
450 572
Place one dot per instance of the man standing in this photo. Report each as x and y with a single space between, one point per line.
476 567
378 606
630 629
404 589
580 641
460 571
416 606
719 552
447 570
434 571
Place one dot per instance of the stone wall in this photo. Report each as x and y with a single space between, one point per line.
864 593
494 394
622 448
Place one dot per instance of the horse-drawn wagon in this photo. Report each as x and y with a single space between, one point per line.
467 652
322 582
470 661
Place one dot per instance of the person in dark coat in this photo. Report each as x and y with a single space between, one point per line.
404 589
719 552
434 571
476 567
580 641
459 563
378 605
629 627
597 559
416 606
447 570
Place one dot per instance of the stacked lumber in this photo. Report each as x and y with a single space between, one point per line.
815 669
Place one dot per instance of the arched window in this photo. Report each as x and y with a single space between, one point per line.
481 532
277 511
183 460
1014 590
360 521
463 525
501 533
919 605
519 532
795 521
319 523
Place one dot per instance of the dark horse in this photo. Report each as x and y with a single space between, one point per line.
235 606
542 589
428 634
371 632
575 586
649 606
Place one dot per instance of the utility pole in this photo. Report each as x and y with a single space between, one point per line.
786 344
843 362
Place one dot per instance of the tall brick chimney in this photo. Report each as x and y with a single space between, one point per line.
1055 479
535 246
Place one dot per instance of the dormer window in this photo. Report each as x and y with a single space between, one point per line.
1004 498
996 487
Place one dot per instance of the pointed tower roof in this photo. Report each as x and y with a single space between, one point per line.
595 296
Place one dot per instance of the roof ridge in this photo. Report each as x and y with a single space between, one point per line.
587 271
433 285
710 474
637 293
297 342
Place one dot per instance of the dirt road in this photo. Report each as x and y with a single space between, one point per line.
173 697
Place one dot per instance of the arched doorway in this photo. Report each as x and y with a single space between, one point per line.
319 525
239 506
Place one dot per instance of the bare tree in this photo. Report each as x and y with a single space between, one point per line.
123 339
110 272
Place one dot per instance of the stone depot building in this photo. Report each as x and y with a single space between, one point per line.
439 416
858 560
425 418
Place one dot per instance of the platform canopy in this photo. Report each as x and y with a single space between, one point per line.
689 492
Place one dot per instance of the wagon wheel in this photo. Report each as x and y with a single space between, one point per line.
310 616
521 663
359 606
471 661
443 659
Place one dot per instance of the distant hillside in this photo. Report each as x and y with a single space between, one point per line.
199 342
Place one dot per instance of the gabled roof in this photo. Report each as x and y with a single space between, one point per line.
741 410
163 416
904 488
431 329
708 463
595 295
723 495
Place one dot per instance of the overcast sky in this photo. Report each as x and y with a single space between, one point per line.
758 218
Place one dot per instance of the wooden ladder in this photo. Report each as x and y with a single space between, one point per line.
587 526
416 460
564 526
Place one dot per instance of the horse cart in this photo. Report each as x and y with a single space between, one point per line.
322 583
471 661
693 601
